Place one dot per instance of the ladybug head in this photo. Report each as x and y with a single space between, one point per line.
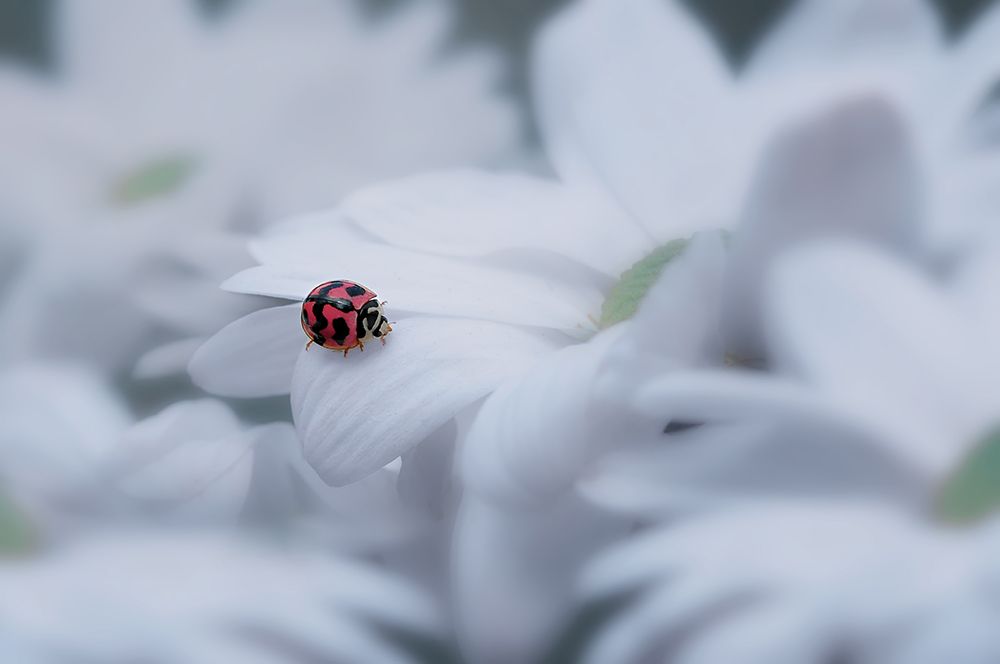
372 323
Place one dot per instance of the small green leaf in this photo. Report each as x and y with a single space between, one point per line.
17 537
157 177
625 296
973 490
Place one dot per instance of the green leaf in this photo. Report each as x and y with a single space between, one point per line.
17 537
155 178
973 490
624 298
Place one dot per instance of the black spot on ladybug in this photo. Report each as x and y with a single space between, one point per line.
336 284
355 290
320 322
341 304
340 330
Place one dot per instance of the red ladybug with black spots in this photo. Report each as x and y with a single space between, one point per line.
341 315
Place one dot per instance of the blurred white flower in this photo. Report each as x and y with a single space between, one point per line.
196 598
56 426
801 583
73 461
856 497
163 130
634 96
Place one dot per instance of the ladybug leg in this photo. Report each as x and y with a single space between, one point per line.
345 351
309 344
361 346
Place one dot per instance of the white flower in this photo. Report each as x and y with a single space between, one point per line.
72 459
196 598
854 498
801 583
163 129
496 279
487 272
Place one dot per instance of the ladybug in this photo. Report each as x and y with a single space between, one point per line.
341 315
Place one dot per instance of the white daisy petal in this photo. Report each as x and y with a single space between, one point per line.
816 32
469 213
217 594
972 72
846 317
293 263
168 359
356 414
656 616
719 465
782 632
656 147
514 573
112 47
846 172
253 356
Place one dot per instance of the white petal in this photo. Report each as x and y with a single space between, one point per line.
469 213
56 425
634 96
121 48
417 282
356 414
425 478
192 461
535 433
784 632
848 171
972 72
722 465
902 33
514 574
253 356
886 344
168 359
660 614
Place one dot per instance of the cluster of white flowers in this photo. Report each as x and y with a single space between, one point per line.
721 387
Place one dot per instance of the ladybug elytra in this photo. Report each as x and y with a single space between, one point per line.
341 315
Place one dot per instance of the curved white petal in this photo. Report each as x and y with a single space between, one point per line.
903 34
971 72
217 595
253 356
514 573
783 632
661 613
125 53
886 345
536 433
356 414
847 171
56 425
633 96
469 213
830 575
168 359
717 465
192 460
323 249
